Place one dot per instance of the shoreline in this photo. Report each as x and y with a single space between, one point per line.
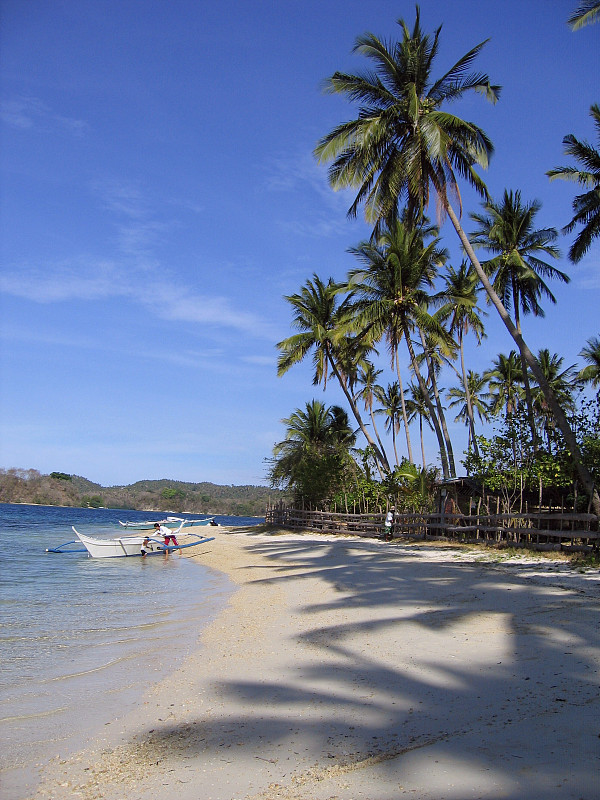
74 667
356 669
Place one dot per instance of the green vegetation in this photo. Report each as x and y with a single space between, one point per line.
403 149
30 486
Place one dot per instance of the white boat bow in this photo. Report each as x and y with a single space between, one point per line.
132 545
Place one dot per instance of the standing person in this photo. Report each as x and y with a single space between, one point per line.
389 521
167 534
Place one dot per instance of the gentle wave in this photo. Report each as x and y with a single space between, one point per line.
35 715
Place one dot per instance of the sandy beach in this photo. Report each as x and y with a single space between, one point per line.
346 668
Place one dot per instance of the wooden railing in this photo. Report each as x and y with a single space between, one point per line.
550 531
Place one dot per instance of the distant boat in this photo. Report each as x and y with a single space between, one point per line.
132 545
168 522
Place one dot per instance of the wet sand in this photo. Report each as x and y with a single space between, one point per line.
348 668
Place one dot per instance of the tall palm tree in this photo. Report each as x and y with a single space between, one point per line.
390 293
322 322
507 229
585 13
403 144
587 205
477 402
416 406
391 407
562 382
505 384
435 350
367 378
384 263
591 354
463 315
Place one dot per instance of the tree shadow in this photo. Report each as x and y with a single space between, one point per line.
417 669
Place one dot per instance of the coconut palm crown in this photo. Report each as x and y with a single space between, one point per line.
402 141
591 353
585 13
586 205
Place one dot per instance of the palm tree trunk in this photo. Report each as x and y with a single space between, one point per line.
404 414
394 441
379 455
559 415
468 399
440 408
430 406
422 442
526 384
378 437
465 381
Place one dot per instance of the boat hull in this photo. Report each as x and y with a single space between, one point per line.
113 548
129 546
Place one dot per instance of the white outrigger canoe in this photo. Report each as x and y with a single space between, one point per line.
129 545
169 522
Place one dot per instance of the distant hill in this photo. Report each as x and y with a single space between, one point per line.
59 488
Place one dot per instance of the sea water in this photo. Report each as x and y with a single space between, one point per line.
82 638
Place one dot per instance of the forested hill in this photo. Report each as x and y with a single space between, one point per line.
59 488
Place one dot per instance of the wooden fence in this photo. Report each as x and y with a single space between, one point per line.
552 531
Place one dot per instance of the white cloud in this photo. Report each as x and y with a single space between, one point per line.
179 303
134 273
63 282
89 280
30 112
261 361
122 197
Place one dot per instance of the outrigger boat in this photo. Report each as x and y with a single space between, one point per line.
128 545
169 522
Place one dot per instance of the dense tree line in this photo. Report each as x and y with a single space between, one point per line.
403 151
59 488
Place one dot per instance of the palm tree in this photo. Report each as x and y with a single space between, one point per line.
436 349
390 292
471 401
587 205
312 456
367 378
339 430
591 354
505 384
562 382
461 311
417 406
402 141
403 144
507 229
584 14
391 407
322 322
311 425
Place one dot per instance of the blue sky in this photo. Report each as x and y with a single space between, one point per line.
159 198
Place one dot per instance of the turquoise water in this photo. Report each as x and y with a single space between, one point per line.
80 637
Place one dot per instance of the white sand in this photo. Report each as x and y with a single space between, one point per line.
346 668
